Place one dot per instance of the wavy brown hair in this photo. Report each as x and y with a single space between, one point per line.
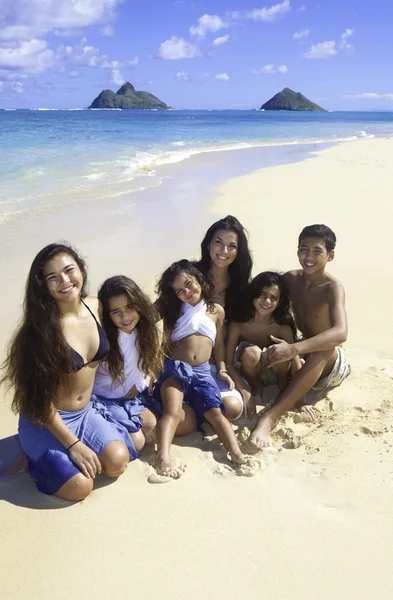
38 357
169 301
239 271
148 342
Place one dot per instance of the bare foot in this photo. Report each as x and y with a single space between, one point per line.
260 437
250 467
168 468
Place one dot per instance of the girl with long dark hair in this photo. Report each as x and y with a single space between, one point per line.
135 355
194 326
266 312
227 263
50 366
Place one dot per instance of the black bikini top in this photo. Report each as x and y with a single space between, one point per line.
103 348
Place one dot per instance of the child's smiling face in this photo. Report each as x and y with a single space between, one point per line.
122 314
312 255
187 288
267 301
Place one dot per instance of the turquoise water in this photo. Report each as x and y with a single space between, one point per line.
52 157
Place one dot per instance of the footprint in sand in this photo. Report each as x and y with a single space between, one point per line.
290 440
370 432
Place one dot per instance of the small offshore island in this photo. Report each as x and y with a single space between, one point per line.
127 98
287 99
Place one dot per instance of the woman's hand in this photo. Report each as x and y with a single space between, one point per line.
224 376
85 459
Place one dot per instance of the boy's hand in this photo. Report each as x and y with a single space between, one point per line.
228 380
281 352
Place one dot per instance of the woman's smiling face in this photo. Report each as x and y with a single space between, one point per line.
63 278
223 248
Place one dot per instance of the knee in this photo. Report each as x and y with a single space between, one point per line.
76 489
250 357
233 407
138 439
149 421
114 459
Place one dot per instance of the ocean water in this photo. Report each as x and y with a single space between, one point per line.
55 157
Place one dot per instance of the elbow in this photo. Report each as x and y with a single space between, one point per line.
342 336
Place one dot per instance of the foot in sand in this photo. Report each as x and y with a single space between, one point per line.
249 467
166 467
260 437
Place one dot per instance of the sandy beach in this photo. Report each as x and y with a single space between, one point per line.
317 522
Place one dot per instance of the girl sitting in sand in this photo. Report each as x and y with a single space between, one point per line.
266 316
51 364
226 263
135 353
194 328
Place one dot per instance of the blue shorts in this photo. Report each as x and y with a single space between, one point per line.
127 412
200 389
50 465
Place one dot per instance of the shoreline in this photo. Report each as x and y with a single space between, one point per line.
319 516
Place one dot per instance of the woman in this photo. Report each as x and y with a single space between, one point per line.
51 365
227 262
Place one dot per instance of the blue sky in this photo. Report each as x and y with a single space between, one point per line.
197 54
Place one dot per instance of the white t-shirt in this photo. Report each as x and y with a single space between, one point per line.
133 375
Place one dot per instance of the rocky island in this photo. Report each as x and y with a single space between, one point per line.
290 100
127 97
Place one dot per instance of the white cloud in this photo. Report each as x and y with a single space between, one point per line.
181 76
344 45
116 77
222 77
74 73
207 23
24 19
270 69
90 56
17 86
322 50
331 47
269 14
108 30
303 33
32 57
301 8
368 96
221 40
176 49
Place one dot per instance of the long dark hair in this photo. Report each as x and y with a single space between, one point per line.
283 313
148 341
38 357
239 271
169 301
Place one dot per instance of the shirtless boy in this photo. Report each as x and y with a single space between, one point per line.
318 301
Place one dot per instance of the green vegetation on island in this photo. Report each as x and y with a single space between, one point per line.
127 97
290 100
